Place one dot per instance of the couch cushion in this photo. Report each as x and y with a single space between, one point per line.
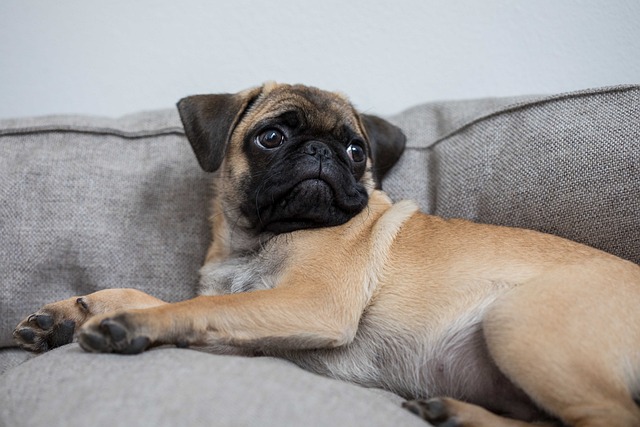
89 203
174 387
13 356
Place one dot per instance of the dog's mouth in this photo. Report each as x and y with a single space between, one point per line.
309 203
312 187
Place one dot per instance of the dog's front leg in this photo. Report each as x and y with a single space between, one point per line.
292 317
54 324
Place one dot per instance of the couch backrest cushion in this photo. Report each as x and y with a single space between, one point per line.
89 203
567 165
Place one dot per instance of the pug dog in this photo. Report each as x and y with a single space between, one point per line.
476 325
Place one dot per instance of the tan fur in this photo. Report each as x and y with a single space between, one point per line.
511 319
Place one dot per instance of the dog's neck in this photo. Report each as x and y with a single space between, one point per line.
231 240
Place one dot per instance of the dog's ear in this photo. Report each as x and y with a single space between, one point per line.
209 120
387 144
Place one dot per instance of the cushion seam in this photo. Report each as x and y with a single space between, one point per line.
93 131
524 105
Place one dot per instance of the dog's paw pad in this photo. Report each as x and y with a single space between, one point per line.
433 410
62 333
93 342
44 321
137 345
116 331
112 335
26 335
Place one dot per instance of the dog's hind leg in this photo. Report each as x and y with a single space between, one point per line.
571 341
55 323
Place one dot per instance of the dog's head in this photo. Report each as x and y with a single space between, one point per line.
289 157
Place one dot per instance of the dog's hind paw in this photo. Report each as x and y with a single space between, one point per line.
432 410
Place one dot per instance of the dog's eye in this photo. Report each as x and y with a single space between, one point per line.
356 152
271 138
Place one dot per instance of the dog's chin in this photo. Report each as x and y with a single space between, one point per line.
311 203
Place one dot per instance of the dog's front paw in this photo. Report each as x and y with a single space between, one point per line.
51 326
113 334
40 332
435 411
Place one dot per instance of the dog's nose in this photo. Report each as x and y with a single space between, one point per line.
317 149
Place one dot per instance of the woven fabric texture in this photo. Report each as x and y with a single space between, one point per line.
87 207
172 387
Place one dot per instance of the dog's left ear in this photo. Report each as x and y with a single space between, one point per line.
209 120
387 144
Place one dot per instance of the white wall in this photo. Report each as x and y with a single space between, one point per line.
118 56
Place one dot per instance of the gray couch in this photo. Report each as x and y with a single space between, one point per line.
88 203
